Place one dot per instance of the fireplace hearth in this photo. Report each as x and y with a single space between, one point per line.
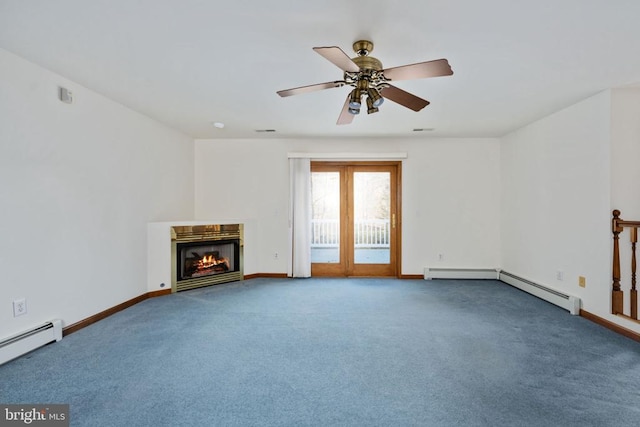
204 255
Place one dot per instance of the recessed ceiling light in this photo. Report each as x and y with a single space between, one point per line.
422 129
265 130
218 125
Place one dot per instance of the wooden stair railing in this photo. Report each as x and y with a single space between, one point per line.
617 295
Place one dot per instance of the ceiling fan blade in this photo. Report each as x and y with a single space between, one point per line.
345 116
404 98
421 70
310 88
337 56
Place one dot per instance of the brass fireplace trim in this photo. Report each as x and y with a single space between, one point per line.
197 233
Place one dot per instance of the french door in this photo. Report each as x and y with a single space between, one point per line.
355 219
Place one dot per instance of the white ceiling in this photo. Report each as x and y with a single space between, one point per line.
188 63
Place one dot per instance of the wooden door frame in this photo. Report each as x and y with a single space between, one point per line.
340 271
334 269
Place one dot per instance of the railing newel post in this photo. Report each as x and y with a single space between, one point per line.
634 292
617 297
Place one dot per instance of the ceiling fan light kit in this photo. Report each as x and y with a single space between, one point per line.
367 77
371 108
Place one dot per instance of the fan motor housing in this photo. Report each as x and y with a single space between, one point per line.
368 63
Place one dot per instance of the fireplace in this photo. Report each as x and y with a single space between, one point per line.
204 255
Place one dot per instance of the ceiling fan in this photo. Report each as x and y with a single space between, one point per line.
366 75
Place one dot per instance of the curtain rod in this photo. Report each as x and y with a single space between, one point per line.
348 156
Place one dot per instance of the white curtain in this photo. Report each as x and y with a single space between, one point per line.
299 260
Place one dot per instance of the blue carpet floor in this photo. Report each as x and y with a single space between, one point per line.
343 352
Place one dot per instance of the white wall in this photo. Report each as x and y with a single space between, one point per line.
556 202
625 152
78 185
625 171
451 196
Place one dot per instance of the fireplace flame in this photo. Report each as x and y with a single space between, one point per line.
209 261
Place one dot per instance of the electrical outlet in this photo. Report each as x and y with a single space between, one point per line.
582 281
275 255
19 307
440 257
560 275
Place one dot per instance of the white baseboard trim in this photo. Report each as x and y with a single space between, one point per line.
24 342
570 303
460 273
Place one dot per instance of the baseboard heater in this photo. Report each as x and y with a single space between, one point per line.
568 302
27 341
460 273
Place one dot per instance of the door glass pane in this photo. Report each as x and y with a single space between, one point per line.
372 207
325 217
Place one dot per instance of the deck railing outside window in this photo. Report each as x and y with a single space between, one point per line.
370 233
